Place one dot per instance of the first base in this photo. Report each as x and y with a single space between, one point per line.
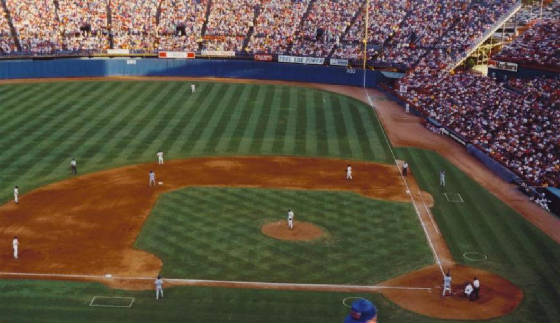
108 275
160 183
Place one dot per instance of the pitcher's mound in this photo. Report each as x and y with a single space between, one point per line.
302 231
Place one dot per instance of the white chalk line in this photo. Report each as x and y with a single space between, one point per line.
92 303
436 256
220 282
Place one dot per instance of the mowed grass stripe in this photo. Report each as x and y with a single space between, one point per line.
37 130
200 119
276 126
187 110
158 121
223 114
120 135
148 114
332 139
358 121
250 131
293 117
309 133
244 121
264 136
11 103
341 131
170 120
73 136
231 120
377 144
352 136
317 108
103 121
60 129
28 110
301 123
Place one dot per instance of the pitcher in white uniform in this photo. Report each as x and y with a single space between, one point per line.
348 173
15 245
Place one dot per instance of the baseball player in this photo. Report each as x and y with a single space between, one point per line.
16 194
447 284
74 166
405 169
476 285
159 286
193 88
290 219
152 178
15 245
160 157
348 172
468 291
442 178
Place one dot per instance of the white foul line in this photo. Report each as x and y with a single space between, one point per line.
203 282
407 187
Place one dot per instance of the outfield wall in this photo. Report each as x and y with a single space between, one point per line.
244 69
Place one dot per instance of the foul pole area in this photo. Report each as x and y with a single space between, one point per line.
365 41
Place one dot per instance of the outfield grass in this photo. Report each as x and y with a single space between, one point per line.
515 248
214 233
105 124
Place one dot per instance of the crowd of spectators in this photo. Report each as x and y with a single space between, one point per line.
84 24
180 24
6 40
531 12
276 25
515 123
133 24
36 24
324 26
539 45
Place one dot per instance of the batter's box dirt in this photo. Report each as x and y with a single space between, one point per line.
453 197
111 301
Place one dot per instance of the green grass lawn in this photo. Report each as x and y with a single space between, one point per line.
516 249
105 124
214 233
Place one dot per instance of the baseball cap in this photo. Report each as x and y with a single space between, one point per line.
362 311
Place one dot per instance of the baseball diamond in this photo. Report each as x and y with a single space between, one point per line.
238 155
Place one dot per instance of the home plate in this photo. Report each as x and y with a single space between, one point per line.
160 183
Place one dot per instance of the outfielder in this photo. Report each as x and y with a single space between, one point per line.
74 166
152 177
15 245
160 157
290 219
159 286
16 194
348 172
193 88
447 284
442 178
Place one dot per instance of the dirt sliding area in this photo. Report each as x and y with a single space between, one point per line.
86 227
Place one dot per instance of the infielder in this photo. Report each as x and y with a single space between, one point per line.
290 219
152 177
74 166
160 157
442 178
447 284
193 88
15 245
348 172
159 286
16 194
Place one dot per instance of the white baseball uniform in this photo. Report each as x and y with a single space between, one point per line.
291 219
16 194
193 88
15 245
160 157
159 287
348 173
152 179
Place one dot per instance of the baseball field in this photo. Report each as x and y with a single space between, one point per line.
238 156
